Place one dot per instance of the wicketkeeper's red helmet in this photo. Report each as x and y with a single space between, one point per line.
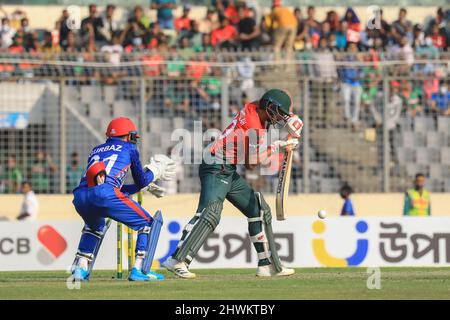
120 127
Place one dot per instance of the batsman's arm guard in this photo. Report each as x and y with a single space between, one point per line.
266 236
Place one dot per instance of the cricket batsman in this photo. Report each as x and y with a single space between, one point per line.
220 181
102 194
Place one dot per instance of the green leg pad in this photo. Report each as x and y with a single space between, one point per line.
266 217
203 227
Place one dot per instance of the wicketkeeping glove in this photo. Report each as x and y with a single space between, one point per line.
162 167
156 190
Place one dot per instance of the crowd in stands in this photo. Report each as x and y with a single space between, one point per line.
40 172
229 24
188 46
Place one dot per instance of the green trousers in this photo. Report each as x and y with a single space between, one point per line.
220 182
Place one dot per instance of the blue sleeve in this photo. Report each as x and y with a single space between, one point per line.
141 178
130 188
347 210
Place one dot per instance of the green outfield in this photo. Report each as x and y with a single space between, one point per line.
320 283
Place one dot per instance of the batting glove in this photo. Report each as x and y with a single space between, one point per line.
294 126
281 145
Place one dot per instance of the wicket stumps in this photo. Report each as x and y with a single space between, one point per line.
130 246
119 250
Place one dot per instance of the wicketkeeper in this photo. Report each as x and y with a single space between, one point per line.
220 181
102 194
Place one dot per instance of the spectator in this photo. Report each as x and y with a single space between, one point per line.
324 68
41 170
164 12
199 98
152 62
184 22
11 177
311 22
341 37
71 43
228 9
440 101
7 33
225 35
285 31
17 45
63 28
333 20
133 35
246 71
91 25
394 110
194 35
406 54
74 172
439 21
302 30
411 99
372 77
197 67
213 88
248 30
427 50
113 50
402 27
28 36
439 39
417 199
110 26
378 31
347 208
30 206
351 85
154 36
185 50
49 48
209 23
353 25
175 66
206 45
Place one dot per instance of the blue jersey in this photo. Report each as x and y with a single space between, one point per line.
347 209
120 156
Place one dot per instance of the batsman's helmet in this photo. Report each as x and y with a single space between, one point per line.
277 103
120 127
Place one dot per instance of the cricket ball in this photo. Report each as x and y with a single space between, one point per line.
322 214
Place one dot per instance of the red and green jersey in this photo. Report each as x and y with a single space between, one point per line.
245 134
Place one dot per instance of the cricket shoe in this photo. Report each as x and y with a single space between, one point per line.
138 275
79 274
178 268
269 271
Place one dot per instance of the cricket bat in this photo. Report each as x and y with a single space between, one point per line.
284 179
